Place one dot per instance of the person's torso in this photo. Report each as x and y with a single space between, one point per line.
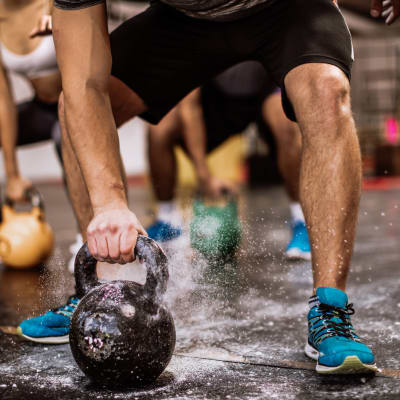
215 10
34 59
40 62
218 10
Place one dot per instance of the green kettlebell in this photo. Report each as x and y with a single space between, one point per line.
215 231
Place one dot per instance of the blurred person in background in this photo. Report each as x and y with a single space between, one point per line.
205 119
27 49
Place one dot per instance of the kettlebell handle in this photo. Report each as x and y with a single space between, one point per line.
33 196
147 249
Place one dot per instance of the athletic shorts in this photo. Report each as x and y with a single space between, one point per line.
37 122
163 55
225 115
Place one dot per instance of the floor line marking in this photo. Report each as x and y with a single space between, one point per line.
382 372
287 364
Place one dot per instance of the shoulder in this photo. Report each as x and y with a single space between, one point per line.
76 4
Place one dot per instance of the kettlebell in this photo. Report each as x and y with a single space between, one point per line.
215 231
121 333
26 239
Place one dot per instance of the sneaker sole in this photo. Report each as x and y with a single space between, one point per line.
350 365
47 340
297 254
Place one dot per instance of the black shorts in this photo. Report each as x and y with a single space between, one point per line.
36 121
163 55
225 115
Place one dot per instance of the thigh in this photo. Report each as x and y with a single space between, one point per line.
169 130
36 121
313 31
162 55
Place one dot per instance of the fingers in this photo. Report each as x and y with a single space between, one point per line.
141 230
395 12
387 9
112 236
45 27
113 245
376 8
127 245
232 189
34 33
102 243
92 245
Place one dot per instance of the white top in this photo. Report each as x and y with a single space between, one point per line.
40 62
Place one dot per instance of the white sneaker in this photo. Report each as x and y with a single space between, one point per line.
73 249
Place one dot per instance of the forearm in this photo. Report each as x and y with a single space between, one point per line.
195 135
95 141
85 70
48 7
8 134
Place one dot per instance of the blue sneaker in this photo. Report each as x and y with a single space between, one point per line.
162 231
299 246
332 341
52 327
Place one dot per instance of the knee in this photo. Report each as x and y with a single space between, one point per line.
319 91
328 92
166 133
161 135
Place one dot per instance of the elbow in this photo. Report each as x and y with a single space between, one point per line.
83 92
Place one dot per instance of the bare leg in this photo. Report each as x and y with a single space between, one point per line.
162 139
330 176
288 138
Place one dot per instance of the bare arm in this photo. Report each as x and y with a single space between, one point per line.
8 126
194 133
84 58
16 185
195 138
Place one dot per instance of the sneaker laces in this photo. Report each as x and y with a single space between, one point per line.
335 322
68 309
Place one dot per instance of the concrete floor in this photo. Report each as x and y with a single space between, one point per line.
240 329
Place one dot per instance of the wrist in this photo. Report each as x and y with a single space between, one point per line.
203 173
13 175
109 206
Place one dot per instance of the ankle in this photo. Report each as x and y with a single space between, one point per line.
169 212
296 213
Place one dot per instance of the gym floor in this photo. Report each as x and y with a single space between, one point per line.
241 327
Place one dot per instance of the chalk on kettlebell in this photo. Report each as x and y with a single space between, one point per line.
122 334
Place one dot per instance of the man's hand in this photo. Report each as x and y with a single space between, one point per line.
215 188
16 188
388 9
43 28
112 235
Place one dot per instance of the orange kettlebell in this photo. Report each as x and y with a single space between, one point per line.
26 239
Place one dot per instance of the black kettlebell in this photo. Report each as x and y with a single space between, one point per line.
121 332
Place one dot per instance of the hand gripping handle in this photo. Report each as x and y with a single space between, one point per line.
33 196
146 249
